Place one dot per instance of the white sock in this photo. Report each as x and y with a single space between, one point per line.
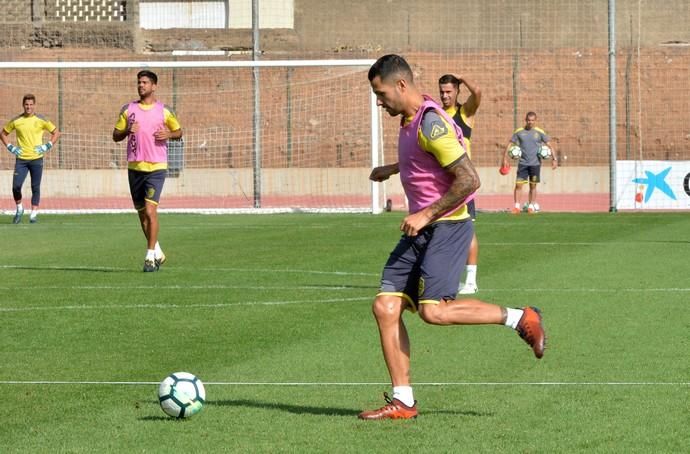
157 249
20 208
471 275
513 317
34 213
404 395
517 205
150 254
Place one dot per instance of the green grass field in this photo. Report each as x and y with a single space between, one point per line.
272 312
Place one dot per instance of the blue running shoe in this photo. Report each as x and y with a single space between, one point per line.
150 266
18 216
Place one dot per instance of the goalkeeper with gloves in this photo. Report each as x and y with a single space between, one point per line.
29 150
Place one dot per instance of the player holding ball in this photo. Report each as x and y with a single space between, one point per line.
530 140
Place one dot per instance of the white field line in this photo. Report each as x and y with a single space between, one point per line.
80 307
235 225
86 307
335 287
569 243
325 384
234 270
189 287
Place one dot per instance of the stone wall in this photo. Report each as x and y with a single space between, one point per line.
18 11
64 24
354 26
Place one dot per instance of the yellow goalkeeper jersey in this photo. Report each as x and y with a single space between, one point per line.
29 133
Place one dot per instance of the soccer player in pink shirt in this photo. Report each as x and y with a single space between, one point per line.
147 124
422 271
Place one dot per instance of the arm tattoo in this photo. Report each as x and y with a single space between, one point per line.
465 183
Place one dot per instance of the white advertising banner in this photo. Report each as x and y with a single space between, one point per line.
653 185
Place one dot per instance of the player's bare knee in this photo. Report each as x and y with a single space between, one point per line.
384 308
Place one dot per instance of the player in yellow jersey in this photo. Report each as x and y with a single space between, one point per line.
29 128
463 115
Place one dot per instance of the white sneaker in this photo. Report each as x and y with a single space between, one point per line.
160 259
468 289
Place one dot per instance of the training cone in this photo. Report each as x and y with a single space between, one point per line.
504 170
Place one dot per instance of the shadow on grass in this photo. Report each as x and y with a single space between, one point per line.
664 241
159 418
479 414
297 409
346 286
328 411
311 410
72 268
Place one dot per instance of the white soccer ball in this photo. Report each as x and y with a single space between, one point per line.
515 152
181 395
545 152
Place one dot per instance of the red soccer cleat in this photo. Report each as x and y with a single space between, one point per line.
531 330
394 409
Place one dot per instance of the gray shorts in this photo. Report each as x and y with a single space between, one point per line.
146 187
527 174
426 268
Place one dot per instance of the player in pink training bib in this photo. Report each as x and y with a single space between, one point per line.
423 269
147 125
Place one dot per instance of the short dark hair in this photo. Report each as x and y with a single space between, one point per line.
28 97
150 74
530 114
388 65
449 79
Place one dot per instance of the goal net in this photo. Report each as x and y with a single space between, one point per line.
273 136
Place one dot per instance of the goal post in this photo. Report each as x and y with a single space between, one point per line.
319 134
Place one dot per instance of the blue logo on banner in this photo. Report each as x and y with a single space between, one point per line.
657 181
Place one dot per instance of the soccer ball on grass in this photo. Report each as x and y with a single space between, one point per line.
181 395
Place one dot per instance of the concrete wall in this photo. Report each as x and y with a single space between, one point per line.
359 26
293 182
355 26
490 24
16 11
